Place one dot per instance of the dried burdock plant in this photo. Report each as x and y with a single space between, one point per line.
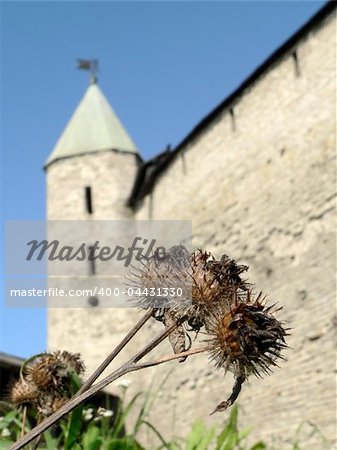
187 292
242 334
55 368
23 393
247 339
189 285
45 382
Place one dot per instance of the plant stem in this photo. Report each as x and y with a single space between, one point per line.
128 367
36 442
24 418
89 382
234 395
157 340
168 358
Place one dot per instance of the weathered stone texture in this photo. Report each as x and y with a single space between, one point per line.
92 332
262 190
110 175
264 193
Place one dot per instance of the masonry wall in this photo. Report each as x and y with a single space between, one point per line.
93 332
110 175
262 188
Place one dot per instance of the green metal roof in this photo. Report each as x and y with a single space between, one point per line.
93 127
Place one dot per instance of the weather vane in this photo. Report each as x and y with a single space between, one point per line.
91 65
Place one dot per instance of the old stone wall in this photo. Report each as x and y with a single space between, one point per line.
259 185
262 189
91 331
110 175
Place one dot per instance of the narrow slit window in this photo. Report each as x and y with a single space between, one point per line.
88 199
151 206
183 160
233 121
296 63
91 260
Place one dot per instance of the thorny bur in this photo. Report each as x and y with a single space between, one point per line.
45 383
241 332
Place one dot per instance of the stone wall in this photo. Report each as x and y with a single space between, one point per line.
260 186
92 332
262 189
110 175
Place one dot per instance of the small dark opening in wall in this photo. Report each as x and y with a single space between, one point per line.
233 121
296 63
92 261
93 302
88 199
183 160
151 206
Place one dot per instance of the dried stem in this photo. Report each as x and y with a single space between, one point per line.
36 442
168 358
234 395
128 367
24 418
90 381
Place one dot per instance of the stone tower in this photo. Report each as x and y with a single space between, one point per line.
89 175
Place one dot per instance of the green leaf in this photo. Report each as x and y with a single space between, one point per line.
207 439
74 428
122 415
195 435
200 437
92 439
7 419
51 442
229 436
75 382
150 398
244 433
158 434
5 407
77 447
259 446
5 444
13 417
126 443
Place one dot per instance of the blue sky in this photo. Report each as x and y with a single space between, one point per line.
164 65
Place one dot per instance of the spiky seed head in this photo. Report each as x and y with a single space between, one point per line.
45 403
41 371
156 275
210 286
45 381
22 393
248 339
50 368
204 284
204 289
50 401
68 362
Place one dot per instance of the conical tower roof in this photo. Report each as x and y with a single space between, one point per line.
93 127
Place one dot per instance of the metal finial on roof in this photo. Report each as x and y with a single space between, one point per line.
91 65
